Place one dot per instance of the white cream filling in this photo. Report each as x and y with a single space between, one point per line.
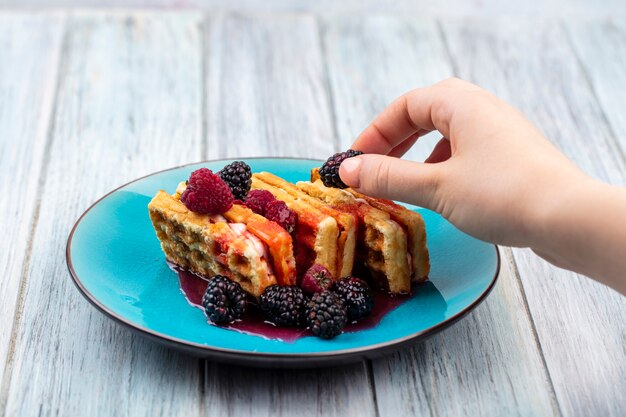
238 228
217 218
182 186
241 230
258 245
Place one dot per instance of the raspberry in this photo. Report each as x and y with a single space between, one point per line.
224 300
316 279
357 296
326 315
238 176
329 172
257 200
283 306
206 193
277 211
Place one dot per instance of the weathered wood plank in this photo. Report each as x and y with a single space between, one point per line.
489 363
30 47
267 96
601 48
128 104
266 91
580 323
339 391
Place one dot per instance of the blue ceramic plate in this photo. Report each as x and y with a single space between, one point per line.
116 261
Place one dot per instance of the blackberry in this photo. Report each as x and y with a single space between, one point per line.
283 306
329 172
238 176
326 314
357 296
224 300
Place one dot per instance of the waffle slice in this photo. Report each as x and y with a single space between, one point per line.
276 239
382 241
415 228
346 222
412 223
316 235
208 246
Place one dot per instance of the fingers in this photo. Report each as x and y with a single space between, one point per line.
403 147
392 178
441 152
417 112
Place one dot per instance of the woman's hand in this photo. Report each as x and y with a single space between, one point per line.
494 176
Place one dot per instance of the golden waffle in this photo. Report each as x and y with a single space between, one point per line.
193 242
347 222
381 239
413 224
316 233
277 240
274 237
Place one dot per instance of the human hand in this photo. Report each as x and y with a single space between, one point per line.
495 177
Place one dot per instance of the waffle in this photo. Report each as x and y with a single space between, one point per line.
274 237
195 242
316 236
413 224
346 222
382 241
277 240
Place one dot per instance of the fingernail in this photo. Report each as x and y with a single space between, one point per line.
349 172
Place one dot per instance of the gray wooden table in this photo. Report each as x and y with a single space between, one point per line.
92 99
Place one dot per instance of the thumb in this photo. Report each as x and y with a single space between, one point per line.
392 178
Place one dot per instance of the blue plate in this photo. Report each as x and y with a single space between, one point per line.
116 261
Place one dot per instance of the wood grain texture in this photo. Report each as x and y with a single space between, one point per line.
489 363
28 43
267 88
338 391
580 323
128 104
267 95
601 49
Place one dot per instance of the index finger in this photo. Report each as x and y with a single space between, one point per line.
415 113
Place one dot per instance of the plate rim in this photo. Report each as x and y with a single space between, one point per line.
252 357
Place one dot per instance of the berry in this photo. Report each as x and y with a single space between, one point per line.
257 200
316 279
329 172
357 296
238 176
206 193
283 306
224 300
326 314
277 211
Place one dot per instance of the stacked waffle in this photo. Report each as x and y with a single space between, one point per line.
341 230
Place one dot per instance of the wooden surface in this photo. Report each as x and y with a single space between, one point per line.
92 99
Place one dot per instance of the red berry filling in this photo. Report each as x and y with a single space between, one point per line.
257 200
277 211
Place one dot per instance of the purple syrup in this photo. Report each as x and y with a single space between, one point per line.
193 287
